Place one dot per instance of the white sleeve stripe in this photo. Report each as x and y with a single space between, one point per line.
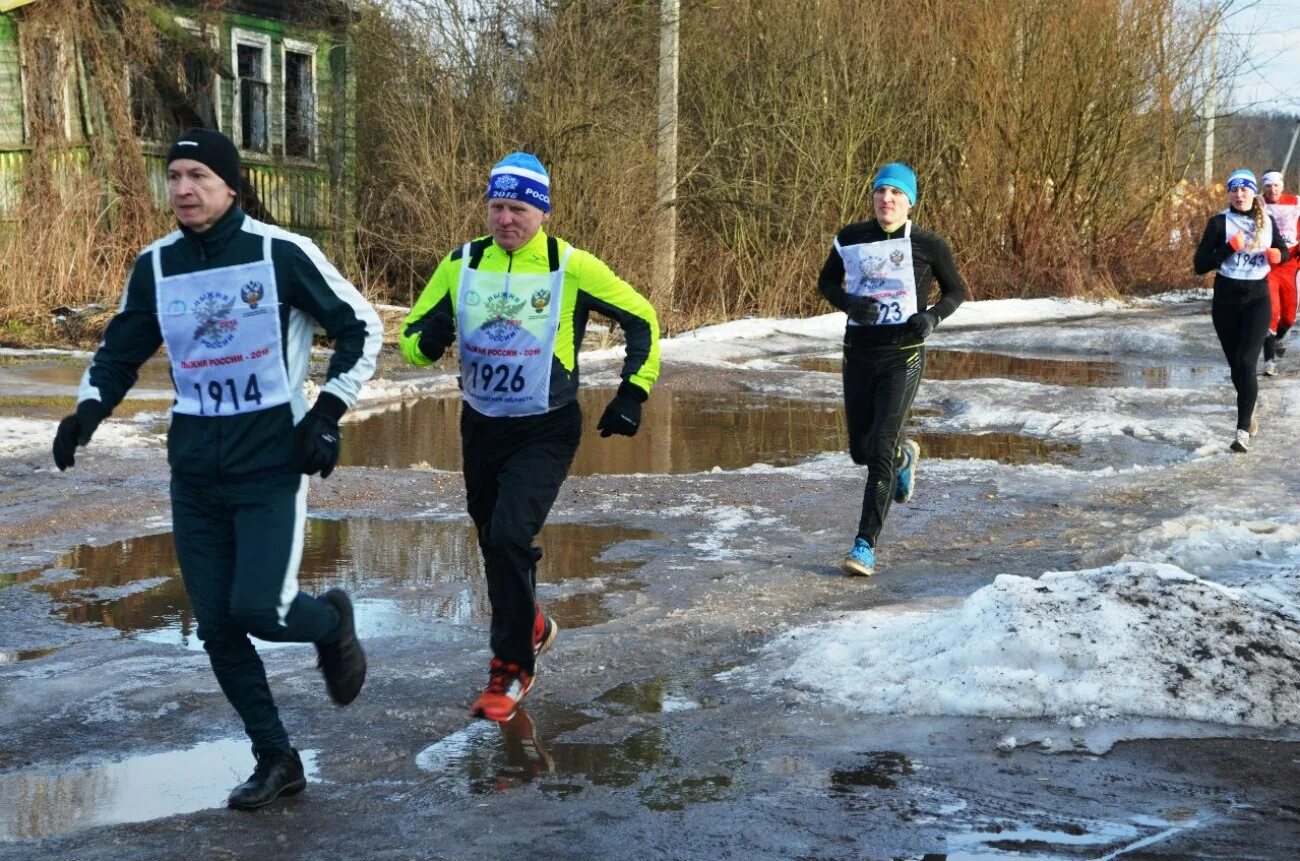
347 386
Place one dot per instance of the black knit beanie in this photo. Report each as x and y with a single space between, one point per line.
211 148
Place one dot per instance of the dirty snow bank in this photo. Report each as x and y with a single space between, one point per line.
20 436
1143 637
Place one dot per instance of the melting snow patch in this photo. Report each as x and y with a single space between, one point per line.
1136 638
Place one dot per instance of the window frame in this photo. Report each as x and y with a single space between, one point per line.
195 29
262 41
296 46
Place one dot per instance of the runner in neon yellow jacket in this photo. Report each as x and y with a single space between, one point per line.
519 300
589 285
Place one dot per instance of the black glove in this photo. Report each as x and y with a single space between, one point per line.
318 436
76 430
437 332
623 415
923 324
863 310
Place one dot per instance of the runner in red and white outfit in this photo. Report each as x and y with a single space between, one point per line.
1285 210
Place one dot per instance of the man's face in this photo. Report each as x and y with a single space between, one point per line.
1272 191
198 196
513 223
891 206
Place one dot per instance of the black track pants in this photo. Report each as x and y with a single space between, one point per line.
1241 330
879 387
513 471
239 546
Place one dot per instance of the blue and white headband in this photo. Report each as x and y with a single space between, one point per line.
520 176
1241 178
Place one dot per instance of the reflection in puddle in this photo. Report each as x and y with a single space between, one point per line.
659 695
1001 447
1119 837
42 803
9 657
882 770
46 388
967 365
680 432
487 757
434 568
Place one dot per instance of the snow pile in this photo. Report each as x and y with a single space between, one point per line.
1184 418
746 340
20 436
1138 638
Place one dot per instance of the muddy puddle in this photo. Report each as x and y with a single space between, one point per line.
401 573
41 803
967 365
46 387
681 432
564 752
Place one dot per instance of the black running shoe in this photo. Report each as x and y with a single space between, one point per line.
342 661
279 772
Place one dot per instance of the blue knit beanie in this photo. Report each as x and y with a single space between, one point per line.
520 176
1243 177
897 175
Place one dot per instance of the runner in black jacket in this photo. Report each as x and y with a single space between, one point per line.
880 272
236 302
1241 244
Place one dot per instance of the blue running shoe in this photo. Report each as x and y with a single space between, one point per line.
905 483
861 561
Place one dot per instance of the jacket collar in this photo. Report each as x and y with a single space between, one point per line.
536 245
217 236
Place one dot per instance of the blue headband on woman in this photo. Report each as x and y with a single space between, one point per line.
1241 178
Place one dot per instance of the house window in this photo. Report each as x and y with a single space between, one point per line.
187 95
299 99
149 118
252 101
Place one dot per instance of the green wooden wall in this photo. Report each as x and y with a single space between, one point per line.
310 195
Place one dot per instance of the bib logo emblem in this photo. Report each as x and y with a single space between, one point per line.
541 299
252 293
502 310
896 257
176 306
472 298
216 329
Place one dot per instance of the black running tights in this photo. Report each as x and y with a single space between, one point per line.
878 390
1241 330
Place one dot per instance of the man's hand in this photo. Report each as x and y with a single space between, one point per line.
437 333
318 436
923 324
864 310
623 415
76 430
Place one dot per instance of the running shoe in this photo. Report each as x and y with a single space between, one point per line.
507 685
544 630
1241 443
861 561
1279 347
1270 368
905 483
